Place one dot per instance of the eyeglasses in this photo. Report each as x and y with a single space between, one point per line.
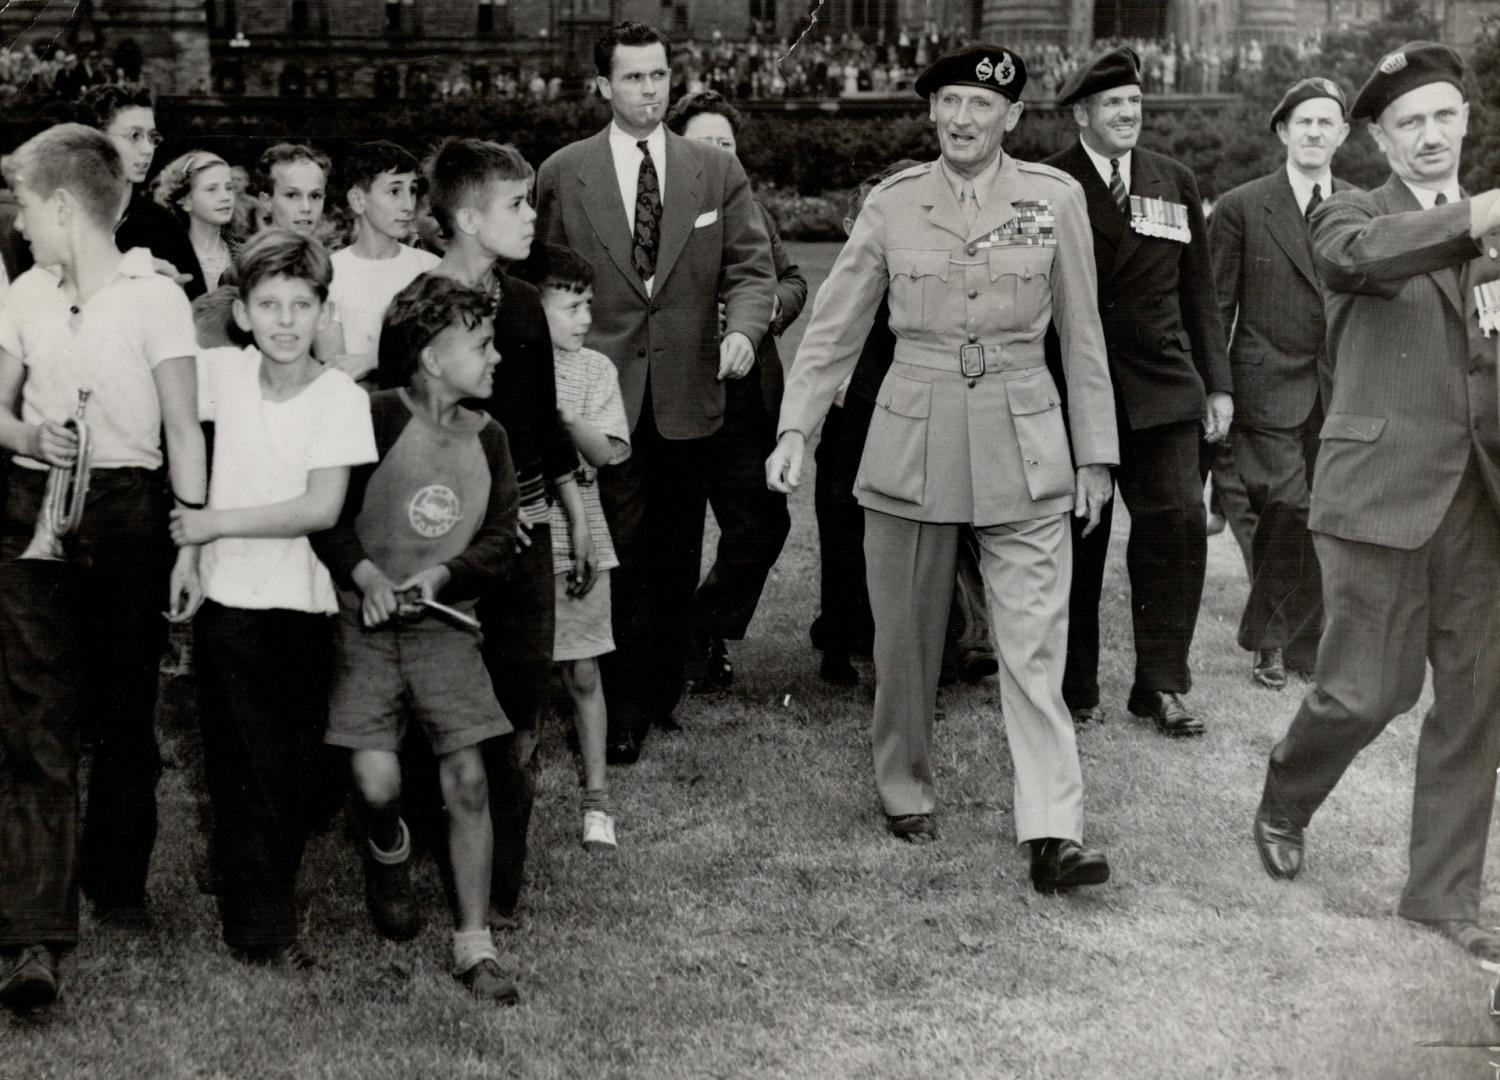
137 136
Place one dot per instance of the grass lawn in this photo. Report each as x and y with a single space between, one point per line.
758 922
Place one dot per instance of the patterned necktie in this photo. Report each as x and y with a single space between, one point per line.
1117 186
1312 203
647 216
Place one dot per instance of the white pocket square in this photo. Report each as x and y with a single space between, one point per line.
706 219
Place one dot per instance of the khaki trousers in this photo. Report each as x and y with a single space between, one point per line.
1027 570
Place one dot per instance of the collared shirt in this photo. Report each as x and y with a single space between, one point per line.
110 345
1302 186
1428 198
627 158
1102 164
980 184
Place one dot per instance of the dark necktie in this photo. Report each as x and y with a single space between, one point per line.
1312 203
1441 200
647 216
1117 186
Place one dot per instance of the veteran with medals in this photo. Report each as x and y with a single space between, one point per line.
1172 386
977 253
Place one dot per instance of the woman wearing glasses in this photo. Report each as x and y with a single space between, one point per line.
125 113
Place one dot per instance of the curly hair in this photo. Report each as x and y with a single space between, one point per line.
419 313
175 182
97 108
704 101
275 253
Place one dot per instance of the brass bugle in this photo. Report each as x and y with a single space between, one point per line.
63 499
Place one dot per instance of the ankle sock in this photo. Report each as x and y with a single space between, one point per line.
470 947
597 799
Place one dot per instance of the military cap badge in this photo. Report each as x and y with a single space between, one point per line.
1393 63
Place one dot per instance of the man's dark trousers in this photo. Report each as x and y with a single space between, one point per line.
1166 558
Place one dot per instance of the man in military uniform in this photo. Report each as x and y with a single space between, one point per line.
978 253
1406 499
1171 377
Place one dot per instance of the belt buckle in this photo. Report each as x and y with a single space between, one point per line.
971 361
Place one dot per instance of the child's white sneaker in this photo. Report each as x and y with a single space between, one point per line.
598 830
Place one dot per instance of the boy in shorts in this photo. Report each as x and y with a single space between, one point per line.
591 409
433 520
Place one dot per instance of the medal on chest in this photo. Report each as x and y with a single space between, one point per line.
1033 226
1160 218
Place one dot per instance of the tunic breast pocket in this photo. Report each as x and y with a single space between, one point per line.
1021 279
1036 410
919 283
895 458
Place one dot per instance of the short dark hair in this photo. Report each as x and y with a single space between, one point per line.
553 266
704 101
97 108
418 314
284 153
629 32
461 168
79 159
368 160
275 253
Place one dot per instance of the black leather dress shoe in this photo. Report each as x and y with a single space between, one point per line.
1058 865
1173 718
625 751
1280 845
1270 669
1087 714
913 828
836 669
978 665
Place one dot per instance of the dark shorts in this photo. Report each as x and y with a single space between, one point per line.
428 668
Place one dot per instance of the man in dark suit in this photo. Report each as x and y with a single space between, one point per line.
1269 294
670 227
1172 388
1406 500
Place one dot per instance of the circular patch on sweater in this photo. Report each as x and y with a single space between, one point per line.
433 511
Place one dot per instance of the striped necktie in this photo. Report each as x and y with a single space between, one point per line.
1117 186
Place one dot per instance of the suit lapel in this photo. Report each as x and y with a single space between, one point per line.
936 195
679 209
600 196
1147 183
1448 280
995 209
1104 216
1288 227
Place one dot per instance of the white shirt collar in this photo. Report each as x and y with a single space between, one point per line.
1302 186
627 160
1102 164
1428 198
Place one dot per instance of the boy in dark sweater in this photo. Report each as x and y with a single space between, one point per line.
433 520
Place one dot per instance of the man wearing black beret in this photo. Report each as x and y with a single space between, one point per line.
977 254
1172 388
1406 500
1269 294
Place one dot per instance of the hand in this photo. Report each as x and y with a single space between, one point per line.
567 416
425 584
784 466
52 444
723 318
775 309
585 564
1484 212
1093 489
380 603
523 534
736 356
191 527
354 365
186 595
1217 417
166 269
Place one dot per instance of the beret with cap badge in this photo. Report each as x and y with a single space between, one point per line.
1307 90
1118 67
990 67
1413 65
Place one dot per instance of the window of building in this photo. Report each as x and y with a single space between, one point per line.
486 16
393 16
299 16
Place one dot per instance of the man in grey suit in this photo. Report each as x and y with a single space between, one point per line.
670 229
1271 303
1406 501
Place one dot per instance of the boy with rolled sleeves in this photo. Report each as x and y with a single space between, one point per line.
81 636
432 524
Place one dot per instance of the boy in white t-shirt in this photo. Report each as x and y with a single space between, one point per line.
287 431
380 181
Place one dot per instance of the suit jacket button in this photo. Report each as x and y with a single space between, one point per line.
973 338
972 249
1492 253
971 384
973 294
640 352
